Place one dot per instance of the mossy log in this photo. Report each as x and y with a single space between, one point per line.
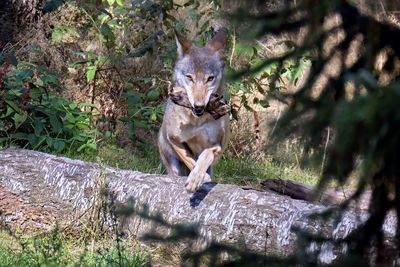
262 221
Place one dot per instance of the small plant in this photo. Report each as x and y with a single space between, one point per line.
33 115
143 109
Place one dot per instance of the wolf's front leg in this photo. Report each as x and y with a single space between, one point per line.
199 174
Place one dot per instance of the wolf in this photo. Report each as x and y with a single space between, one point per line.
190 140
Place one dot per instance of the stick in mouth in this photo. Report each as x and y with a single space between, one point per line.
216 105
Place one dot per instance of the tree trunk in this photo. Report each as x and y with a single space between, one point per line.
15 16
261 221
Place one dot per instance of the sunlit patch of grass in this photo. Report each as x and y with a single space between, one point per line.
145 159
245 171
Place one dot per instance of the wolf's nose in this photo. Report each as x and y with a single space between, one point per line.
198 110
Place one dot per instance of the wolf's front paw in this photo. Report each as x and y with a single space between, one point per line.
195 180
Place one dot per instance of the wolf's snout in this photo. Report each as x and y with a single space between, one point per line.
198 110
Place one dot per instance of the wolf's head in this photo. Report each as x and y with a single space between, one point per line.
199 70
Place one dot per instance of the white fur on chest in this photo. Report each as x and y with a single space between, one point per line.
197 132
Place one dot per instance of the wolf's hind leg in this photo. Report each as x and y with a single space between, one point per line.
210 171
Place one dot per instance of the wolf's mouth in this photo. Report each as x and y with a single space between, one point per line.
197 113
198 110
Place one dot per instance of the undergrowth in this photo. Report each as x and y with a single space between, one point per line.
57 249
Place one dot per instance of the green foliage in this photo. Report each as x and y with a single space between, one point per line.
33 115
61 32
143 109
106 21
55 249
358 104
262 73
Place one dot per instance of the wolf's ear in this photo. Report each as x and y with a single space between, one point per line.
182 44
217 43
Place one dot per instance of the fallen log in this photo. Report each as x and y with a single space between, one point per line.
260 221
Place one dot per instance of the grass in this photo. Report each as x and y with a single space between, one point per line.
145 159
245 171
229 169
55 249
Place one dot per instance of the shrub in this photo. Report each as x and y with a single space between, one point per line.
33 115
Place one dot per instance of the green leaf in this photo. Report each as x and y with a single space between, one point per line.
4 57
124 119
242 49
72 31
91 146
133 100
145 80
8 113
153 116
82 126
81 147
70 118
13 105
205 26
20 136
49 79
141 124
35 92
90 74
131 132
153 95
24 75
87 105
263 102
33 139
88 145
73 106
107 32
38 125
79 138
39 82
55 123
120 3
49 141
39 142
110 2
19 119
61 32
59 145
128 86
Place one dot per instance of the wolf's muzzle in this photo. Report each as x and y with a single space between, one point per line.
198 110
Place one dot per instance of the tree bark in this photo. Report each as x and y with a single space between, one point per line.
260 221
15 16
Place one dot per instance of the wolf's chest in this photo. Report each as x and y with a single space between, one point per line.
201 136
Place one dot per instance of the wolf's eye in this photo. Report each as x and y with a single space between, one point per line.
189 77
210 79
